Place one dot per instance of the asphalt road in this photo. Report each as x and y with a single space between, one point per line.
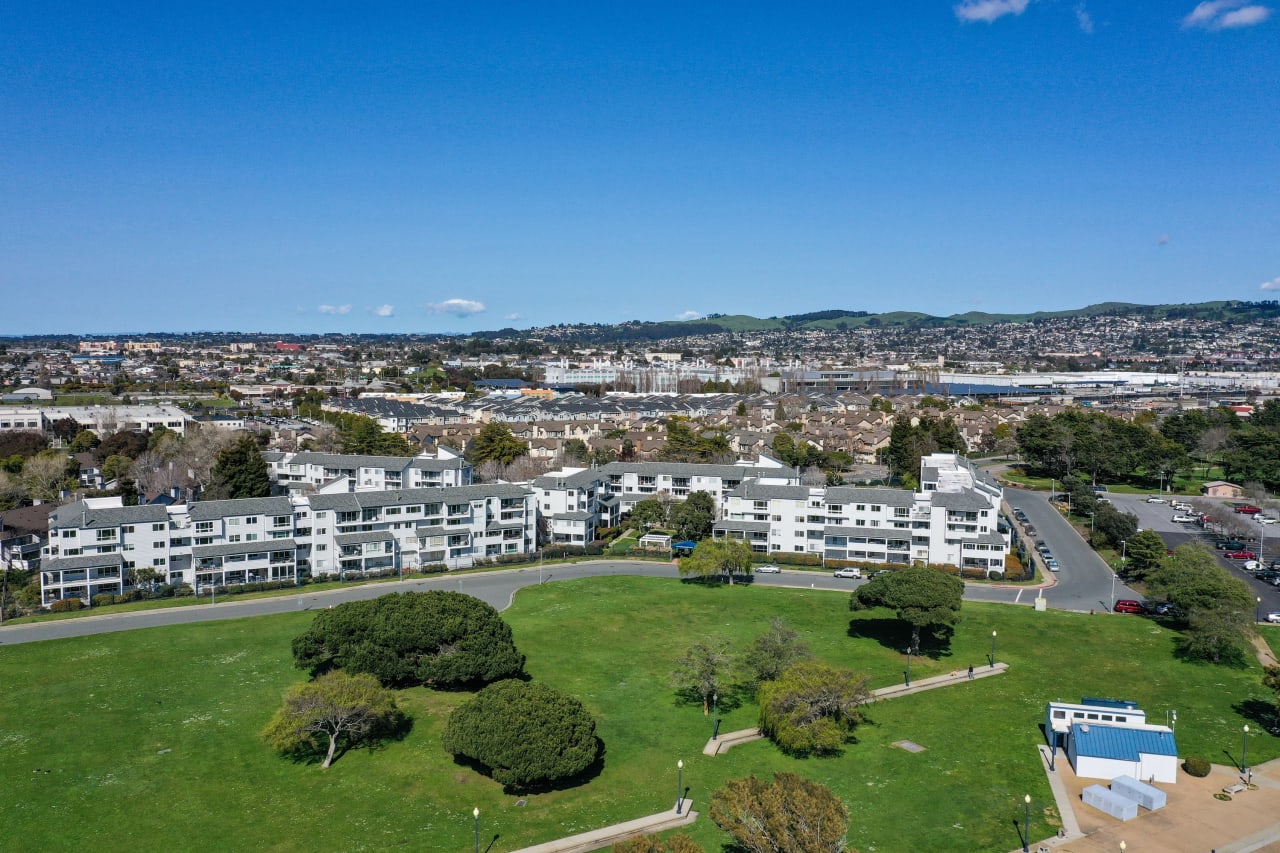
1078 589
1085 581
1159 517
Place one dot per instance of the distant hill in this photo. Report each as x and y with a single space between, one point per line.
836 319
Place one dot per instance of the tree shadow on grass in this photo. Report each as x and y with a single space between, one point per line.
594 769
896 635
730 698
395 728
1259 712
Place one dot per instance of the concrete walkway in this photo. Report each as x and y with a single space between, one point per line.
728 740
608 835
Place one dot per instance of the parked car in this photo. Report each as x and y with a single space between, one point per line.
1248 509
848 573
1179 506
1128 605
1273 616
1228 544
1156 499
768 569
1268 575
1031 530
1051 563
1241 555
1162 608
1265 519
1183 518
1251 566
1099 488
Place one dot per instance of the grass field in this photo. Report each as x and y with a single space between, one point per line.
150 737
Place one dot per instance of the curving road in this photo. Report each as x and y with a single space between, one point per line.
1081 586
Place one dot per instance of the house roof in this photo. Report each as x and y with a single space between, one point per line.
85 515
209 510
1122 743
362 538
262 546
90 561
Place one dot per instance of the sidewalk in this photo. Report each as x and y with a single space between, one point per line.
728 740
605 836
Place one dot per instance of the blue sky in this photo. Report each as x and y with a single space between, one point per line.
445 167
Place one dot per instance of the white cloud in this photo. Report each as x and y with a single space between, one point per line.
1225 14
334 309
1084 19
690 315
456 307
384 310
1274 284
1246 17
988 10
514 317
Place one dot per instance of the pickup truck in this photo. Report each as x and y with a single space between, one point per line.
1248 509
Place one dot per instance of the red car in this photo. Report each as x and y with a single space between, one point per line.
1128 605
1248 509
1241 555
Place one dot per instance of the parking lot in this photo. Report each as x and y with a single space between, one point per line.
1264 541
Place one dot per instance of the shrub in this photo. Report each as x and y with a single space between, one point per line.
439 638
1197 767
66 605
524 734
163 591
103 599
182 590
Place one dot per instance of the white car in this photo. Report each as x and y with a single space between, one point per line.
1251 565
1264 519
1183 518
1273 616
1156 500
848 573
768 569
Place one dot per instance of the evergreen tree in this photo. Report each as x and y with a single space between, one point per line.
240 471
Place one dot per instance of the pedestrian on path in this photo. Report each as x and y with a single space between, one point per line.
971 672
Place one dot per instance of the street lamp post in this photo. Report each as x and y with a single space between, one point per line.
1257 609
679 785
475 813
908 672
1026 834
993 649
715 715
1244 754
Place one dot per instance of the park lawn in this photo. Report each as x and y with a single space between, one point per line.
97 711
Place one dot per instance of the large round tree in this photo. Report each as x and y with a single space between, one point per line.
524 734
441 639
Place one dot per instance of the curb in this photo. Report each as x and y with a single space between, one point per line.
595 839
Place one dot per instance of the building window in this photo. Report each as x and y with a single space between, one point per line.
155 528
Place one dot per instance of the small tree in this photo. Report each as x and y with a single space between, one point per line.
812 707
524 734
774 651
1145 551
713 558
241 472
336 708
693 518
655 844
790 815
648 513
495 441
701 669
923 598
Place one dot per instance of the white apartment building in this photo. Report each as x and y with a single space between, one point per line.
309 471
94 543
577 501
103 420
952 520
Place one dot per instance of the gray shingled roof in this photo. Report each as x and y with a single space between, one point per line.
744 526
210 510
229 549
361 538
757 491
432 531
90 561
855 495
566 516
78 514
351 501
966 501
695 469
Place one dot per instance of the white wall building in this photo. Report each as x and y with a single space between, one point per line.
94 543
953 520
309 471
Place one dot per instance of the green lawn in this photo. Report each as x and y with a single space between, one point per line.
97 712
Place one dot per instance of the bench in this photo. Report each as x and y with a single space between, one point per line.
1235 789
